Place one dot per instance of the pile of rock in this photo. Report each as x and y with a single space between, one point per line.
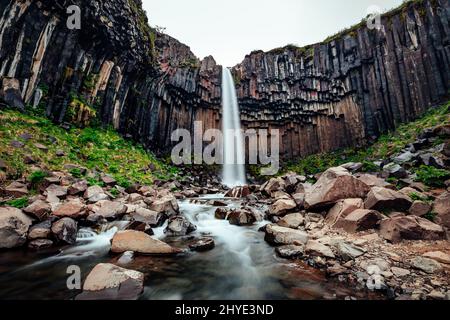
64 204
360 228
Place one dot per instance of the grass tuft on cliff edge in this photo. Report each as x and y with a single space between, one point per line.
103 150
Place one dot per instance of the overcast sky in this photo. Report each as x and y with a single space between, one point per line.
230 29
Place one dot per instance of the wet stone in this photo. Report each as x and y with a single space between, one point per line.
201 245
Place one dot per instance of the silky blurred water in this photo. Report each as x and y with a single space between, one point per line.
241 266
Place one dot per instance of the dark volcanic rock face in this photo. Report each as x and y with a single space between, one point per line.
343 91
145 84
142 82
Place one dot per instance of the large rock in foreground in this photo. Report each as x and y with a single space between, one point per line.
280 235
109 282
410 228
140 242
335 184
14 225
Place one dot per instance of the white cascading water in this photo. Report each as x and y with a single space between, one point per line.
233 147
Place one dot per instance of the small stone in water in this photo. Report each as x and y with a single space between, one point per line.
204 244
126 257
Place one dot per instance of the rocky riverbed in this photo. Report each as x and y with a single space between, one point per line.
342 234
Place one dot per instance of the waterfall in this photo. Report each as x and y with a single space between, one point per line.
233 148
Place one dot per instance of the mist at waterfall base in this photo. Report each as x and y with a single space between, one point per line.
233 173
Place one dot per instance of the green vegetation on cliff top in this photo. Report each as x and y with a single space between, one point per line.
97 149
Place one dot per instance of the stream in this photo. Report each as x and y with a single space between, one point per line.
241 266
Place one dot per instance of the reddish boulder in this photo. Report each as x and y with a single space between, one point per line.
299 199
442 131
179 226
241 217
282 206
40 231
386 199
293 221
153 218
315 248
221 213
168 204
78 188
109 209
74 208
442 209
140 226
39 209
279 235
94 194
273 185
65 230
55 190
341 210
40 244
410 228
203 244
15 189
140 242
334 184
109 282
360 220
14 225
238 192
108 180
419 208
374 181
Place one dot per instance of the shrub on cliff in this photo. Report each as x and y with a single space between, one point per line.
432 177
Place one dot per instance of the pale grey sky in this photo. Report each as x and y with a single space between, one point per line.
230 29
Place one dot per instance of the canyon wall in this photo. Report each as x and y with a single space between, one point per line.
353 86
142 82
339 93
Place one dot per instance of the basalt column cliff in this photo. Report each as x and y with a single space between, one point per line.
142 82
353 86
326 96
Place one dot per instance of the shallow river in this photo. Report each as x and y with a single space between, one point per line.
241 266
